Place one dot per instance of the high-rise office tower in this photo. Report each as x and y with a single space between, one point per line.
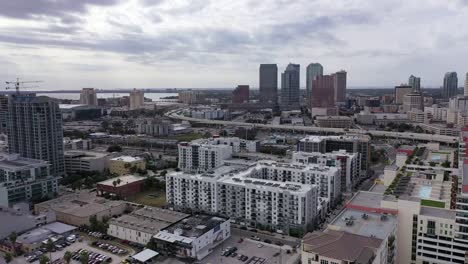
34 128
323 90
290 88
137 99
3 112
240 94
466 85
415 83
339 86
268 83
450 85
88 96
313 69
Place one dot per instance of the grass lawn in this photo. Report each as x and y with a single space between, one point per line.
150 198
432 203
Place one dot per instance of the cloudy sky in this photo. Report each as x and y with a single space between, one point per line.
71 44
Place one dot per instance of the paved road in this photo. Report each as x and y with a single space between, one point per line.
287 240
400 135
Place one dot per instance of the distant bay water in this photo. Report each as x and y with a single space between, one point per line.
76 96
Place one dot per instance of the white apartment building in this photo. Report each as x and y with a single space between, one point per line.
237 144
438 113
24 179
202 155
77 144
254 194
347 163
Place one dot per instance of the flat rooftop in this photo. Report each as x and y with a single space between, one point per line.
195 226
127 159
375 224
15 162
124 180
149 219
80 204
367 199
85 154
336 245
438 212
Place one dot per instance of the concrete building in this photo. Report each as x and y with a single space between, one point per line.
240 94
25 180
18 219
76 208
77 144
348 164
34 126
210 113
401 91
450 87
415 83
413 101
350 143
122 186
78 161
237 144
74 112
438 113
142 224
440 129
123 165
339 84
155 127
191 97
334 121
419 116
313 70
88 96
3 113
324 111
332 247
268 193
290 87
202 156
137 99
465 90
268 83
194 237
323 91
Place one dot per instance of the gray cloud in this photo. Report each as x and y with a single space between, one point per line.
62 9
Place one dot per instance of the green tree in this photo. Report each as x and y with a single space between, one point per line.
67 256
84 257
114 148
8 257
50 247
13 236
44 259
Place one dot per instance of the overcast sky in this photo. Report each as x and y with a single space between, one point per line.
71 44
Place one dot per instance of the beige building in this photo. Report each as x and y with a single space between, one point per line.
137 99
334 121
191 97
88 96
401 91
123 165
76 208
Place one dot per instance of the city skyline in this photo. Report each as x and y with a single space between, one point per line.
110 44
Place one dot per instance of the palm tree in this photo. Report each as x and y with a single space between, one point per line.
13 237
50 247
8 257
67 256
84 257
44 259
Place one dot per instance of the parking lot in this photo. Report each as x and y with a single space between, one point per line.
257 252
74 247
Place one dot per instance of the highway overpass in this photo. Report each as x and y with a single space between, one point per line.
376 133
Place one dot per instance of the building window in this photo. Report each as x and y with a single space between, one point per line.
323 261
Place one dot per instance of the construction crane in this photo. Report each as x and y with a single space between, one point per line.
19 84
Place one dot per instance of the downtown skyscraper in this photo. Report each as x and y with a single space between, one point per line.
415 83
34 128
339 86
313 70
450 85
465 91
268 78
290 88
